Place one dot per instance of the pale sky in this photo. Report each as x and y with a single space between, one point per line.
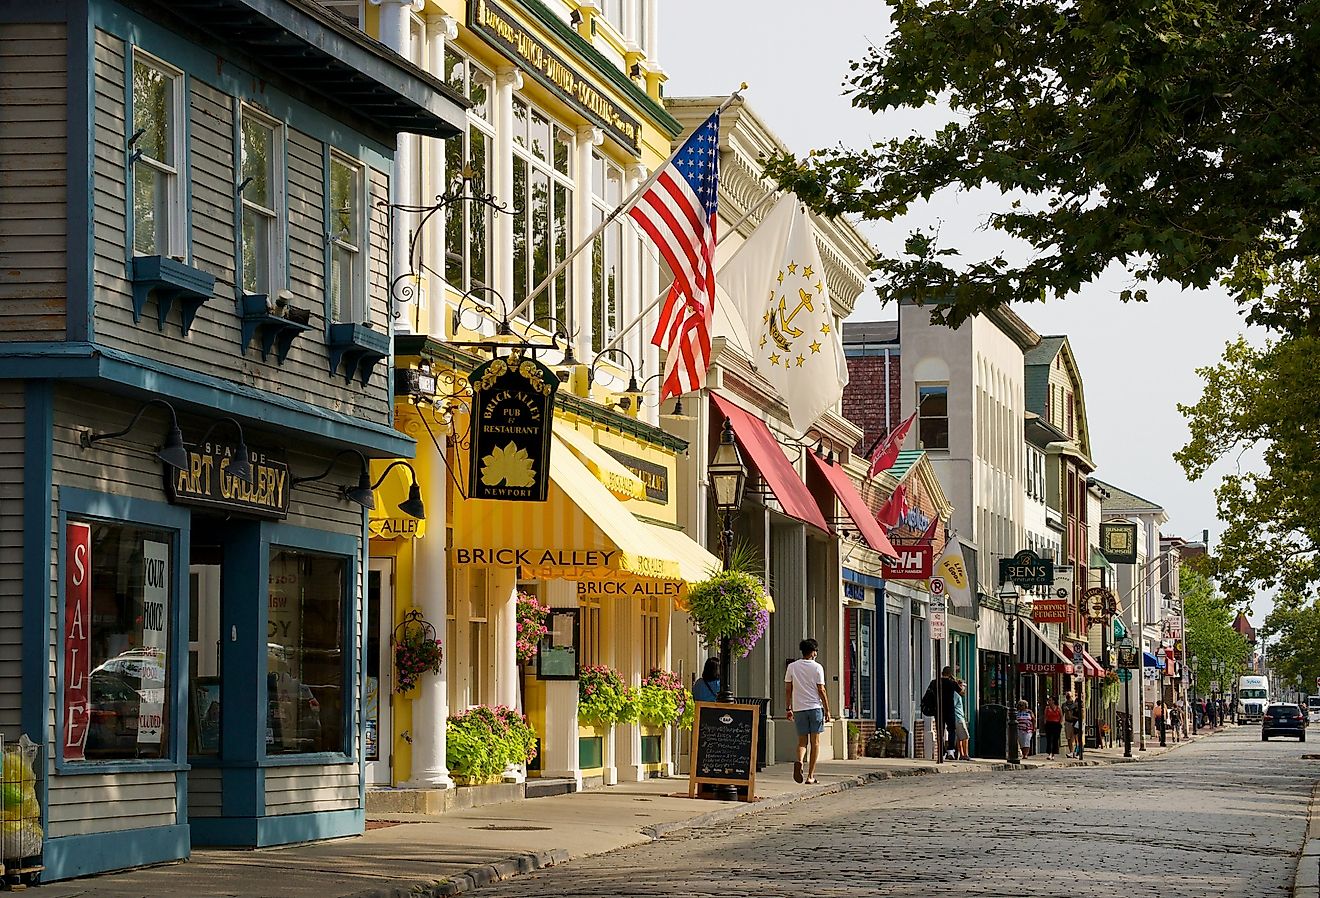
1137 360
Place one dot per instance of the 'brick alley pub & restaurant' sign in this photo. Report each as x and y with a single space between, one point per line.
513 401
551 69
207 483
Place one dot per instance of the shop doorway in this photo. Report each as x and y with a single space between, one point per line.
205 562
377 733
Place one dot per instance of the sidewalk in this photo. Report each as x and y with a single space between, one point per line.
431 856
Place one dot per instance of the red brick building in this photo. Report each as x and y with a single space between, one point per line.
873 397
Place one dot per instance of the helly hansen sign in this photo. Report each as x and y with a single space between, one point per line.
913 563
1026 568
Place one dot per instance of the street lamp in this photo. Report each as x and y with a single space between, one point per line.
1012 602
1126 647
1196 665
728 477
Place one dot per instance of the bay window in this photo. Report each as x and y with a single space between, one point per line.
156 154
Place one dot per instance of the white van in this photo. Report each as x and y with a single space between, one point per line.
1313 708
1253 694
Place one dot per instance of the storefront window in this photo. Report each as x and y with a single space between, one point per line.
305 695
118 609
893 659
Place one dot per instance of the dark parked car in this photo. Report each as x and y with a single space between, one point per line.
112 728
1283 720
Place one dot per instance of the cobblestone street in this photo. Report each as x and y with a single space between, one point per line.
1222 817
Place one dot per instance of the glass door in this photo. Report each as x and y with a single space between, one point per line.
377 735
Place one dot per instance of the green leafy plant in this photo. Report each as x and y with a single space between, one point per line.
729 604
482 741
603 698
661 699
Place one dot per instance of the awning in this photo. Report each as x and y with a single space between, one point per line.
580 531
764 452
694 562
1037 654
1149 660
1089 664
608 470
385 521
1099 562
856 506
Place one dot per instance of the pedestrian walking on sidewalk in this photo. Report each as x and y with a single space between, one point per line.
1072 721
808 707
1026 727
961 734
1158 715
707 688
1053 727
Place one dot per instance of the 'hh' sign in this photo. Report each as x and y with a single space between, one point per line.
913 563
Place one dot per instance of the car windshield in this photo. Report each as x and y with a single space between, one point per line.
1252 693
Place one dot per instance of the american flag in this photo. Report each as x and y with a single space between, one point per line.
678 214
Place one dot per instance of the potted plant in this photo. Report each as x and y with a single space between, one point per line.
603 698
877 746
854 740
481 743
661 699
417 651
733 604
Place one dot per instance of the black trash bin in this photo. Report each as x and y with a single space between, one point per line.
762 728
991 732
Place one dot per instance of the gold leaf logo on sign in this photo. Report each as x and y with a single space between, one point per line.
509 464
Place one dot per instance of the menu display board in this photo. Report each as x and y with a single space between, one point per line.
724 747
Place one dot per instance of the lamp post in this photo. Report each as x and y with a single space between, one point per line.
1012 602
1126 647
728 477
1196 665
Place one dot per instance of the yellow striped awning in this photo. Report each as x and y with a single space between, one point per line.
608 470
580 531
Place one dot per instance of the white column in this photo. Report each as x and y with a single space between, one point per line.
628 661
432 317
587 138
506 83
430 595
503 614
652 47
559 742
396 33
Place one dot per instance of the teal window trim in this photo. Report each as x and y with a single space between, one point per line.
87 505
350 548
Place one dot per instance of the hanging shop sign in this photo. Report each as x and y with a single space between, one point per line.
1100 601
207 483
1026 568
1127 657
655 477
912 563
77 639
1118 542
512 403
1052 608
552 70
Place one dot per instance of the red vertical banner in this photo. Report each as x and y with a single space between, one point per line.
77 638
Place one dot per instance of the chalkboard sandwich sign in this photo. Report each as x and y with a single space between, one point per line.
724 747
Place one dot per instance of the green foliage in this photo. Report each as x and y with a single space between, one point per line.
482 741
1295 620
661 700
1174 137
603 698
729 604
1263 399
1211 639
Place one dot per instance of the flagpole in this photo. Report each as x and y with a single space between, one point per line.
615 213
650 307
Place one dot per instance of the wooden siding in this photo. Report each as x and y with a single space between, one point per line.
213 344
11 558
107 802
204 792
300 790
33 181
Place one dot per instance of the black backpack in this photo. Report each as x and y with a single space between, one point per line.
929 700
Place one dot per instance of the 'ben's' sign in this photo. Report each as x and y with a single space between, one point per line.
513 402
1026 568
207 482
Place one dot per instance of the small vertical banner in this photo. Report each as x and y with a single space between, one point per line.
155 605
77 638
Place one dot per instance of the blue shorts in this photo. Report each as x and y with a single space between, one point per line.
809 721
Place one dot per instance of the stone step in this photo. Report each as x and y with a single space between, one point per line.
388 803
538 787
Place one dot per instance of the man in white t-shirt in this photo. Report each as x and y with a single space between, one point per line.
808 706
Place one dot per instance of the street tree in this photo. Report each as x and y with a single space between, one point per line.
1177 139
1209 618
1295 655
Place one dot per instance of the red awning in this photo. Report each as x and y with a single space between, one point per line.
760 444
856 507
1089 664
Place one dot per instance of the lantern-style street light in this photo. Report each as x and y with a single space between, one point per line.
1012 602
728 477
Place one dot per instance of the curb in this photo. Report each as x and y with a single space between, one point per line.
472 878
1306 879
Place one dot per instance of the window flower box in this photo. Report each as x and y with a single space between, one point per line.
358 348
168 280
277 326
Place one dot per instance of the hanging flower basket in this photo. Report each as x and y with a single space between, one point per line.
417 651
603 698
533 625
732 604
